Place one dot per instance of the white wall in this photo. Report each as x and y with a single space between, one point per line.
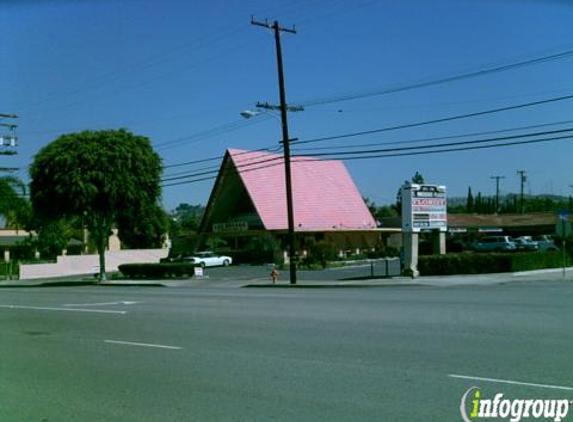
89 264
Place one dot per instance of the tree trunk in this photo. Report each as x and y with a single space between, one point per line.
102 232
101 252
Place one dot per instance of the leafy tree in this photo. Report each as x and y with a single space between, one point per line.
386 211
105 174
188 216
14 207
470 202
418 178
53 237
141 229
382 211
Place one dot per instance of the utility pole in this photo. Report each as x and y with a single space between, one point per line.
10 139
522 178
497 179
277 29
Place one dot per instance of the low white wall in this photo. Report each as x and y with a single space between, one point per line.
89 264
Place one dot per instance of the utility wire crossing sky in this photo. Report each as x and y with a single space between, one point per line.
423 76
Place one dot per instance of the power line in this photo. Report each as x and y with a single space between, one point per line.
437 138
241 165
434 121
220 157
275 149
440 81
213 169
464 148
395 152
209 133
345 154
479 141
238 170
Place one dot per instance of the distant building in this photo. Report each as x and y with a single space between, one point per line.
534 223
247 211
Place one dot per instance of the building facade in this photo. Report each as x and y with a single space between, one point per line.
247 213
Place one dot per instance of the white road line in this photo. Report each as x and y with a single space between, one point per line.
527 384
131 343
39 308
100 304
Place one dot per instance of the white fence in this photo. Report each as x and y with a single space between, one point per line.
89 264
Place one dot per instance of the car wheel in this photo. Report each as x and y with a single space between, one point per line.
202 265
226 263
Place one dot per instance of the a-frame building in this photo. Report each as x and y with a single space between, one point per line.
247 207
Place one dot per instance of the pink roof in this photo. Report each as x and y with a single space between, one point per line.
324 195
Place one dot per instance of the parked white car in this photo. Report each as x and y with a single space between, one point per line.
526 243
545 243
208 259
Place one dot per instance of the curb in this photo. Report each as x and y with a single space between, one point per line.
330 286
77 283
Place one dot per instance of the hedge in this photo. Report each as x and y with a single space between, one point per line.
483 263
11 269
155 271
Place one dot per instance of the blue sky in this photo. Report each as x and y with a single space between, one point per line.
180 73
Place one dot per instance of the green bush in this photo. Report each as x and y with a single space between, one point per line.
383 252
320 253
488 263
252 256
157 271
11 269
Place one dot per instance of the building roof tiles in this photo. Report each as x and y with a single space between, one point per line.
324 195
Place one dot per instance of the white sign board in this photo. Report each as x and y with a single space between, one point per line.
424 207
232 227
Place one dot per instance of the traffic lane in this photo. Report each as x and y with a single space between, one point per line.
331 350
220 380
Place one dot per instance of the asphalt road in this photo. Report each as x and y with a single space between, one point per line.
71 354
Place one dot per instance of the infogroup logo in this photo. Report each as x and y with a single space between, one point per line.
474 407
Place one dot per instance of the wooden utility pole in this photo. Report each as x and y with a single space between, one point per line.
522 179
277 29
497 178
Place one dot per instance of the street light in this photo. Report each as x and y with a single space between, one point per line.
249 114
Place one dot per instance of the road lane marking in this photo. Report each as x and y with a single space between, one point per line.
131 343
41 308
527 384
100 304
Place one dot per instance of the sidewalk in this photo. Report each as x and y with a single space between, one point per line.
432 281
555 274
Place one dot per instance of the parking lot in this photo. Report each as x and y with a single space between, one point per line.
221 353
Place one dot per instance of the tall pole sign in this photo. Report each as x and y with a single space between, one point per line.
424 208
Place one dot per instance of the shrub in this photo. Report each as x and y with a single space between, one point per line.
11 269
320 253
252 256
383 252
488 263
155 271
